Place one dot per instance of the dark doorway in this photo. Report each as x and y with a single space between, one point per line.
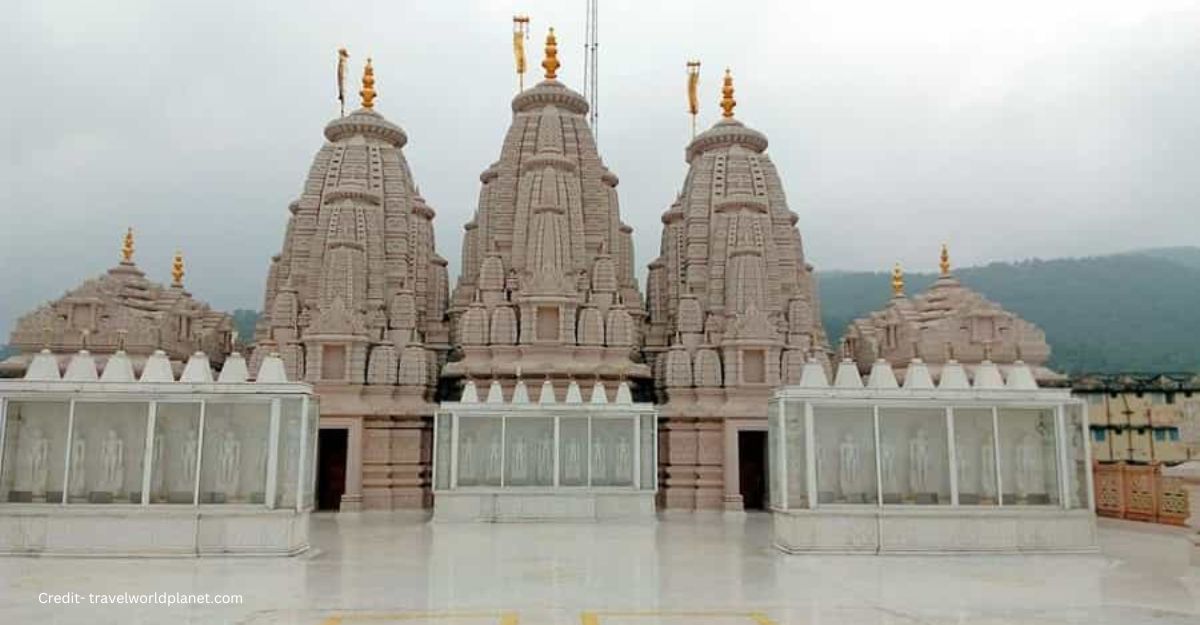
752 469
331 468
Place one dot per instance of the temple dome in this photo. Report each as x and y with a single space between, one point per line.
122 310
547 250
358 276
732 272
947 321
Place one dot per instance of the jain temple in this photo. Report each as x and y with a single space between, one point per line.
553 380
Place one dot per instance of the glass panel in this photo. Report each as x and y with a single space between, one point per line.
176 449
35 449
1029 471
572 449
529 445
1077 464
975 448
287 470
649 471
443 426
234 465
797 452
913 456
612 451
845 455
107 452
309 470
479 450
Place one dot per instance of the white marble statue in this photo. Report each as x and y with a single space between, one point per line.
520 468
77 486
186 470
34 459
601 471
1028 465
987 468
624 463
494 460
467 460
229 464
849 464
919 462
887 458
112 463
545 461
572 465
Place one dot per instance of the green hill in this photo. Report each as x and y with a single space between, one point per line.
1138 311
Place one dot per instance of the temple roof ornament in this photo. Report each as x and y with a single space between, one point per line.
550 63
127 247
897 281
368 86
944 261
177 270
727 101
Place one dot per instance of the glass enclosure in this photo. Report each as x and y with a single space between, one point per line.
883 452
540 448
195 449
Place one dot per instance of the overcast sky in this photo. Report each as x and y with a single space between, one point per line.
1016 129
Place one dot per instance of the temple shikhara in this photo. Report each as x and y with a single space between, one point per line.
123 310
948 322
546 384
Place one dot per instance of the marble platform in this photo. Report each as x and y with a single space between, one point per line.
389 568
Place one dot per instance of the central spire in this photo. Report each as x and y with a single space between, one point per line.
550 63
897 280
944 264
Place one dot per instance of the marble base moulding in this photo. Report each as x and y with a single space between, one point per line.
138 531
547 506
918 531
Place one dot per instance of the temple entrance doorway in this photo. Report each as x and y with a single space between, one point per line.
752 469
331 467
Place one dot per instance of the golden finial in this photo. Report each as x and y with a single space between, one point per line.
127 247
368 86
550 63
897 280
177 270
727 101
945 261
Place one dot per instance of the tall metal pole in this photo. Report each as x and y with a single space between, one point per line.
591 50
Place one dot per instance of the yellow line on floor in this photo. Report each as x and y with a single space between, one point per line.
593 618
506 618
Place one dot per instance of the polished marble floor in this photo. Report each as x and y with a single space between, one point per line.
719 570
